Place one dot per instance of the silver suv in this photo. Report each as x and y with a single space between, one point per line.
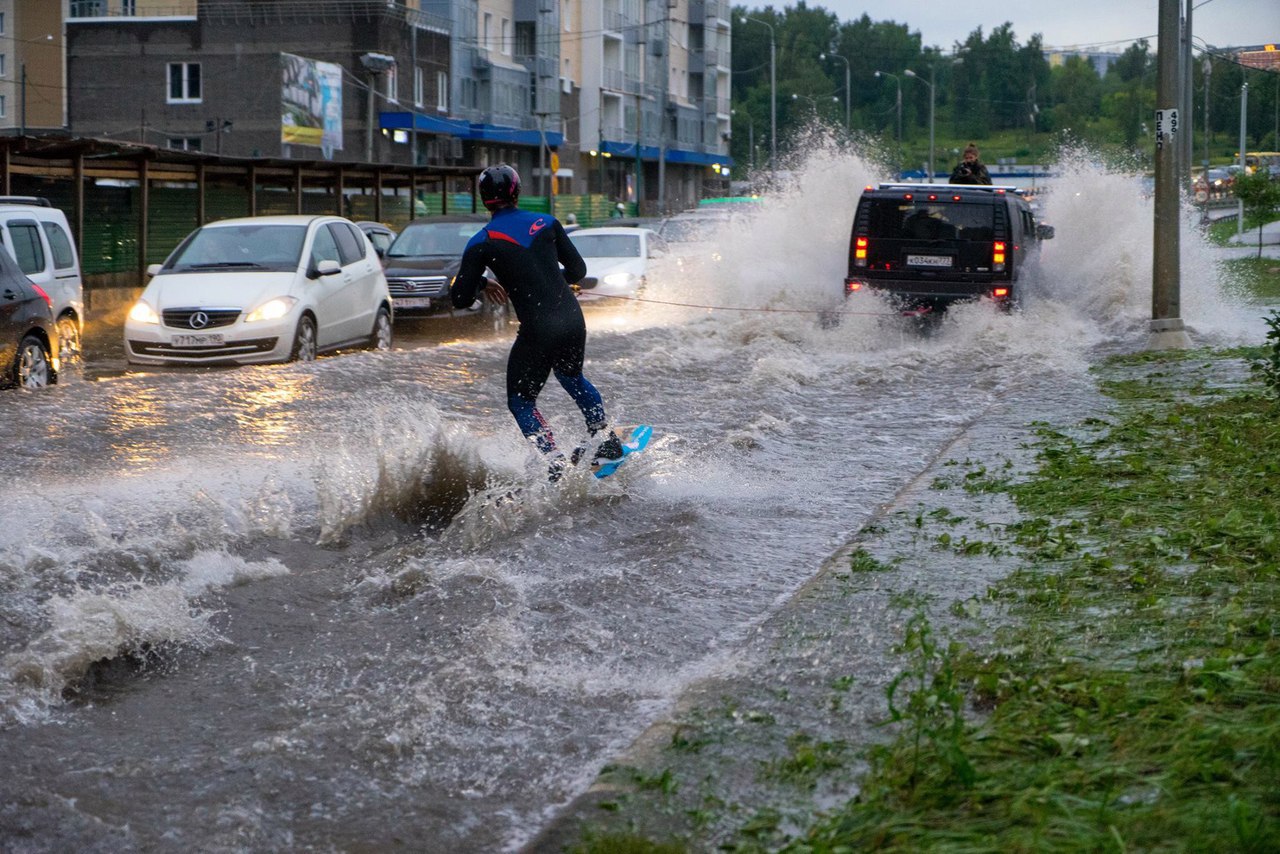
38 237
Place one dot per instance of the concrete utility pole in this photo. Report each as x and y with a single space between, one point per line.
1167 331
1186 141
1244 121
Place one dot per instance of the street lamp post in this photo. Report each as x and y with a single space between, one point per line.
773 96
847 114
898 82
930 83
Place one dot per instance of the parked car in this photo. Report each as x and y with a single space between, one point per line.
423 260
28 330
261 289
929 245
693 235
381 236
38 237
618 260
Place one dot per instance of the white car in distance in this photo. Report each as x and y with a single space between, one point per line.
619 260
262 289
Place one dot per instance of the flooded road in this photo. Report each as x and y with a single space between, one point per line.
279 607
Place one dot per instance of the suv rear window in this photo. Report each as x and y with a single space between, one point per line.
63 256
27 248
920 219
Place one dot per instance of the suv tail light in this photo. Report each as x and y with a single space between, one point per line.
853 286
997 255
43 295
860 252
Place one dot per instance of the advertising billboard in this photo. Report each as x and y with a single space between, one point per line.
311 103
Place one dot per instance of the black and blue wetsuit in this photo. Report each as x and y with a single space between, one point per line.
525 250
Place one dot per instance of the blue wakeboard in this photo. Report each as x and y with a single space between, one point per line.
633 444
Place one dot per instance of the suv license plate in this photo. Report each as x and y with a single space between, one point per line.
929 260
211 339
412 302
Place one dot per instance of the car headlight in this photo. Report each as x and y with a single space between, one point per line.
619 280
142 312
272 309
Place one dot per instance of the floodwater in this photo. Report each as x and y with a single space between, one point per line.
281 607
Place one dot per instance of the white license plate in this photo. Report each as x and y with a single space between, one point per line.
413 302
929 260
208 339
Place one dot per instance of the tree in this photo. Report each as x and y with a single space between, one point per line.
1261 197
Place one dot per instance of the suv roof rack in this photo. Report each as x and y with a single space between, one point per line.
25 200
950 188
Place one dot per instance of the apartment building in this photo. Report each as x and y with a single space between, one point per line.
629 98
286 78
32 66
502 101
651 80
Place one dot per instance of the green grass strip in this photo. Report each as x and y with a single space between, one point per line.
1132 700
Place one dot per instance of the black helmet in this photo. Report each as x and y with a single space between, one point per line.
499 186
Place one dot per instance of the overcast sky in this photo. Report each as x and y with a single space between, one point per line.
1107 24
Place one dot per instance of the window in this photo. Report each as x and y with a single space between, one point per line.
442 90
351 246
185 143
506 37
324 248
27 249
4 106
184 83
2 22
393 84
64 256
419 86
487 32
4 65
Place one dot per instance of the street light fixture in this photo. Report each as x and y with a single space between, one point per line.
928 83
847 114
773 95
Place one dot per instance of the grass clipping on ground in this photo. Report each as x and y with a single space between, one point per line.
1130 697
1134 701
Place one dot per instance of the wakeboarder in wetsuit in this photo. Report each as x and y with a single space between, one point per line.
525 250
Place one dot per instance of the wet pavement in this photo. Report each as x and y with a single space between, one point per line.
282 607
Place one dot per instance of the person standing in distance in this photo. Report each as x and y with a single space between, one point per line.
525 250
970 170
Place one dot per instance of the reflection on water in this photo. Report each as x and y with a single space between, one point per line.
133 418
265 415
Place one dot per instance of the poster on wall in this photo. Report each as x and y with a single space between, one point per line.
311 103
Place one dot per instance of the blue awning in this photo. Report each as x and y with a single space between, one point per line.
674 155
427 124
515 136
464 129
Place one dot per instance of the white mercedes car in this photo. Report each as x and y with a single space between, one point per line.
262 289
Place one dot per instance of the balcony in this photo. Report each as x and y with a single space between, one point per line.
717 10
614 79
128 9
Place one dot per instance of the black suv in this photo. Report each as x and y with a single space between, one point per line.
929 245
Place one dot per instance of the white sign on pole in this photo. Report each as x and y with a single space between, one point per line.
1166 125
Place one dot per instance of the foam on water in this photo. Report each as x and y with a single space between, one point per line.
86 626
